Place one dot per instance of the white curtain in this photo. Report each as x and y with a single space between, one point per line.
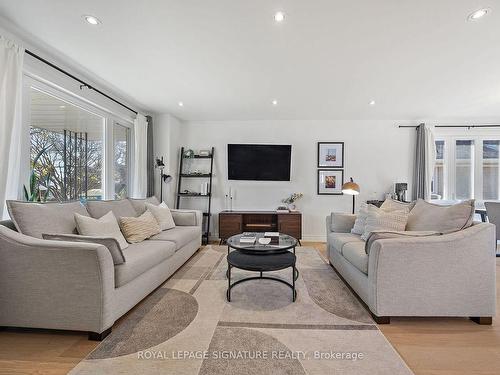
430 159
140 175
11 74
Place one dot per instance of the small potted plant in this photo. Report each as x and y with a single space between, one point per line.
290 200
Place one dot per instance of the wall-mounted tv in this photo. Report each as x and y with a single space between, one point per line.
258 162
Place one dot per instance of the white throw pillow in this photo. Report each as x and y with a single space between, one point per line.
162 215
359 224
106 226
379 219
394 205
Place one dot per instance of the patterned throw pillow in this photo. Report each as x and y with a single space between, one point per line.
394 205
359 224
379 219
137 229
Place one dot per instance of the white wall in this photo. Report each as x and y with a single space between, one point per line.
166 134
377 154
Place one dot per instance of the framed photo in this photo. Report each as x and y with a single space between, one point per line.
330 181
330 154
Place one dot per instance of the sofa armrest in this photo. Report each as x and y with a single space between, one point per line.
54 284
187 217
340 222
452 274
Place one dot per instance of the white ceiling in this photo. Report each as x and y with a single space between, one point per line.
228 59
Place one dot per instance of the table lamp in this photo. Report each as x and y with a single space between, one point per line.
351 188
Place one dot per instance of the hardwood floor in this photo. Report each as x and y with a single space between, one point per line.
430 346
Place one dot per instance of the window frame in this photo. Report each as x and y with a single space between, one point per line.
449 161
110 118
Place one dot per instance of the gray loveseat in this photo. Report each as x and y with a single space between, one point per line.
76 286
448 275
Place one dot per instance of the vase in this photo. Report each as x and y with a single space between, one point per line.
292 207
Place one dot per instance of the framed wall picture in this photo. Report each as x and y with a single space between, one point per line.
330 181
330 154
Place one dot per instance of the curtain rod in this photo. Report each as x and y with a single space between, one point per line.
83 83
455 126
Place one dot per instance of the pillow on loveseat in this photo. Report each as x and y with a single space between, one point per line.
162 215
106 226
428 216
137 229
381 220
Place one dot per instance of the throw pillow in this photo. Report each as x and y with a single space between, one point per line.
444 219
379 219
359 224
137 229
162 215
110 243
106 226
394 205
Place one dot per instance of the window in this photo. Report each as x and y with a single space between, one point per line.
467 167
66 151
120 145
464 169
77 151
490 169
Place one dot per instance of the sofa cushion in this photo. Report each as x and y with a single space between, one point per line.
338 240
34 219
141 257
162 215
342 222
355 254
179 235
106 226
137 229
120 208
428 216
379 219
140 204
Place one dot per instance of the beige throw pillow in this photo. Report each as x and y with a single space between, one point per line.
379 219
162 215
137 229
394 205
444 219
359 224
106 226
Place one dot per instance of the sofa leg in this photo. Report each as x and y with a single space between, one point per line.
483 320
94 336
381 319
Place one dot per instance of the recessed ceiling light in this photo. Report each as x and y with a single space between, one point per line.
181 104
275 102
92 20
279 16
480 13
62 106
372 102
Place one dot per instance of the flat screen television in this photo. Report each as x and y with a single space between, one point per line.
259 162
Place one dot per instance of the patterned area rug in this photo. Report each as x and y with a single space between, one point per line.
188 327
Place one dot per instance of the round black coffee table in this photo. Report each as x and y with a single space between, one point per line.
261 258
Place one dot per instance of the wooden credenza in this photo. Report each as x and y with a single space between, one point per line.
236 222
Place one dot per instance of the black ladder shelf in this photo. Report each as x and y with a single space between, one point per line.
180 194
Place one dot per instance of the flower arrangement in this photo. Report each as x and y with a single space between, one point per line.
292 198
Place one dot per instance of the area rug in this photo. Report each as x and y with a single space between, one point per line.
187 327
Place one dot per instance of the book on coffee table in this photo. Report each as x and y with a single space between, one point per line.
274 236
248 240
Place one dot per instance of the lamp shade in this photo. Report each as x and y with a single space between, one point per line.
350 188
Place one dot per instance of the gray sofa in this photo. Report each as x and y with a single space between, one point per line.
446 275
76 286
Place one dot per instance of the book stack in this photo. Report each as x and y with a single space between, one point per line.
248 240
274 236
